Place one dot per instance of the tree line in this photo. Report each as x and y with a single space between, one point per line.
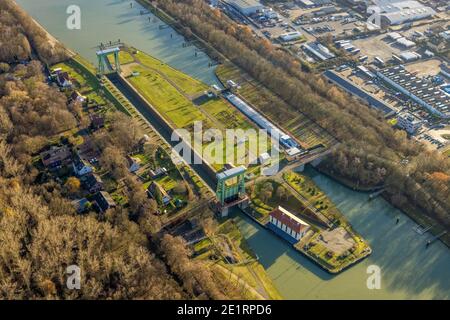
120 253
371 152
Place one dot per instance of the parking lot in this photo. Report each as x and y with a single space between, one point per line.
377 46
435 138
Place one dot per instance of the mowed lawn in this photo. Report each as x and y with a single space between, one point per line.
162 95
187 84
169 91
124 58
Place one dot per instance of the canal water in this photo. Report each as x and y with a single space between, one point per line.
408 270
110 20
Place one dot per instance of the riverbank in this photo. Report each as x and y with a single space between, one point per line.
319 262
331 241
408 210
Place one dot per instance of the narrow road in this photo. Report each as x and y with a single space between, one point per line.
240 282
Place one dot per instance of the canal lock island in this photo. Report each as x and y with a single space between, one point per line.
132 158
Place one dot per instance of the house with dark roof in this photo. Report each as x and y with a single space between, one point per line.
63 79
97 121
56 157
152 190
80 205
103 201
80 166
77 97
92 183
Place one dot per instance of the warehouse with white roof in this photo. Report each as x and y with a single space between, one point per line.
399 12
246 7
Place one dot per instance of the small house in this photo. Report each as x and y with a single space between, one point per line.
264 158
80 166
158 172
103 201
97 121
288 224
92 183
152 190
77 97
63 79
56 157
133 164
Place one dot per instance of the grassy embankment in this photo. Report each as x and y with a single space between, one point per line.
180 99
233 258
308 133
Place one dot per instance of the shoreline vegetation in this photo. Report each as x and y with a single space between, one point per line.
37 211
45 46
298 194
371 151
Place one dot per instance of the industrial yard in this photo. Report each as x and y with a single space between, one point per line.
399 67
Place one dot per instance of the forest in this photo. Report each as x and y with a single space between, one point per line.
371 152
120 253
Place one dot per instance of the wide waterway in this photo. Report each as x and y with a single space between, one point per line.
408 270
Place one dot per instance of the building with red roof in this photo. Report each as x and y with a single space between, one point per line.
289 223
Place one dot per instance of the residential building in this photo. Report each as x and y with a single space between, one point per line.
80 166
77 97
56 157
133 164
288 223
63 79
152 189
103 201
158 172
92 183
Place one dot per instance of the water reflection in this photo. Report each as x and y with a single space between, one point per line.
104 21
408 269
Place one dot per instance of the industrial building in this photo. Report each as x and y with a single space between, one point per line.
285 140
291 36
319 51
399 12
408 122
409 56
419 90
355 90
246 7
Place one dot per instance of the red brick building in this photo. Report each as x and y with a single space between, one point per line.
288 223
